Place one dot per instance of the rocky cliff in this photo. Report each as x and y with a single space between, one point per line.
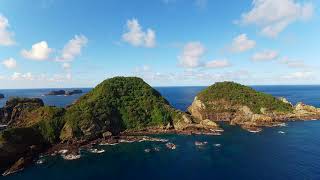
242 105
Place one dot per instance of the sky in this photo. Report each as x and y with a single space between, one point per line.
79 43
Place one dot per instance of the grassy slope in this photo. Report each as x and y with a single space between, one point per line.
238 94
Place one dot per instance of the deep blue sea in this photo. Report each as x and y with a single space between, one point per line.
242 155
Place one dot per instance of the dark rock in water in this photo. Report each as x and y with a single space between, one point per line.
76 91
1 96
18 166
16 108
58 92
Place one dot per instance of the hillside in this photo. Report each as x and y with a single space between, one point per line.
115 105
237 94
242 105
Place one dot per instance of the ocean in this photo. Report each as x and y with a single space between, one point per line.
289 152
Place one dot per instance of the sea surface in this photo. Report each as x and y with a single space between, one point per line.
290 152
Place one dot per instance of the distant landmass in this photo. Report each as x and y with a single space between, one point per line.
122 109
63 92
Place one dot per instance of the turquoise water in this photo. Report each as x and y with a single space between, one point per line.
241 155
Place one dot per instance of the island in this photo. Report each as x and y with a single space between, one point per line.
63 92
120 109
241 105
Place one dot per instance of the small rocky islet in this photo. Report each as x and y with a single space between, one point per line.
126 109
63 92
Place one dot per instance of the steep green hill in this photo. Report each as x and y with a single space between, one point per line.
237 94
115 105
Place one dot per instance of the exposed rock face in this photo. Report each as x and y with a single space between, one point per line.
215 106
197 109
16 109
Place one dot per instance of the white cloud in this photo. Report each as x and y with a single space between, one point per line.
292 63
242 43
191 55
9 63
17 76
137 37
273 16
305 75
6 36
73 48
60 77
39 51
265 55
218 64
21 76
66 66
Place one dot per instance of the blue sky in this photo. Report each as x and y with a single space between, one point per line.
79 43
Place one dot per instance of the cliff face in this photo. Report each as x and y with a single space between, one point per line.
15 109
244 106
31 127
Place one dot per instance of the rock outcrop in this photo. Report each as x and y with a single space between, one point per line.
241 105
16 109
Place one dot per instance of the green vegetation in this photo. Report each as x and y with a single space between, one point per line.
115 105
237 94
50 123
42 124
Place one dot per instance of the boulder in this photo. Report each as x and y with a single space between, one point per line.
209 124
107 134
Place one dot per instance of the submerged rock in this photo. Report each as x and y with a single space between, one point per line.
170 145
199 143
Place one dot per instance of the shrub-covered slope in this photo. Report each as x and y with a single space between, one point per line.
115 105
237 94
